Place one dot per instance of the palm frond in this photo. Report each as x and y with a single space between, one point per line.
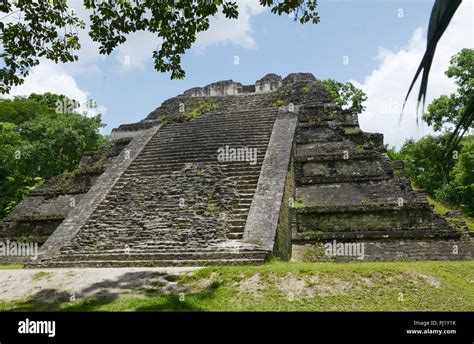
461 127
441 14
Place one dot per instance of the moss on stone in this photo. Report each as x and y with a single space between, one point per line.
278 103
351 131
297 204
360 149
202 107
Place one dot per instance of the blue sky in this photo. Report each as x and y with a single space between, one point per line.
383 48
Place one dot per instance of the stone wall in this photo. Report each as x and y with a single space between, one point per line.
265 217
270 82
389 250
283 246
350 193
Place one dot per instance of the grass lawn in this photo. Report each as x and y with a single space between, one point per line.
11 267
282 286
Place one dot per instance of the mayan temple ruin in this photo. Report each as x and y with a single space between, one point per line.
235 174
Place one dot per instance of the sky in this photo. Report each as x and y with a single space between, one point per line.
375 44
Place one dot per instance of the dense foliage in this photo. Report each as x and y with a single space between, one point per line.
30 30
37 141
447 110
448 179
346 94
445 172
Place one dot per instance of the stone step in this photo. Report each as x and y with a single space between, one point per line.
340 179
369 219
234 170
210 149
180 143
210 155
384 235
351 168
205 141
323 134
149 263
375 193
205 122
194 127
210 145
243 181
164 255
181 162
336 155
235 127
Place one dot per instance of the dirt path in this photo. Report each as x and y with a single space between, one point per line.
64 284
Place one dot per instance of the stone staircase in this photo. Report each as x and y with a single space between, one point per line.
347 187
176 204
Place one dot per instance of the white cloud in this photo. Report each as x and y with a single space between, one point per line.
386 86
133 54
236 31
51 77
137 50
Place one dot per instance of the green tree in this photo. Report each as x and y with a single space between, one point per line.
31 30
451 179
425 164
460 190
38 142
449 109
346 94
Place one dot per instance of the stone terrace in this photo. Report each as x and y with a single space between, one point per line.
348 190
176 204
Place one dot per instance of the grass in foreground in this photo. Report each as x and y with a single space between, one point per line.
279 286
11 267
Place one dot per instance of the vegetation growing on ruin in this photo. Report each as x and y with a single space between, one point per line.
360 149
442 209
278 103
346 94
351 131
202 107
297 204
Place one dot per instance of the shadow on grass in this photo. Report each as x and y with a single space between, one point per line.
150 291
